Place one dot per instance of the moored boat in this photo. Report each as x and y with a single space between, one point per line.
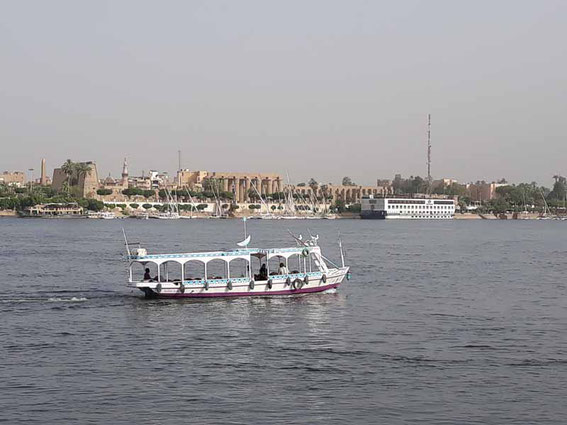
302 269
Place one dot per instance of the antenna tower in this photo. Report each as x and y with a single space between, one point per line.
179 169
429 154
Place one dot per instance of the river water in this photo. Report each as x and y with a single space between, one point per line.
443 323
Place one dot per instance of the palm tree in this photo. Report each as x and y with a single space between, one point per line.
68 168
82 169
313 185
324 191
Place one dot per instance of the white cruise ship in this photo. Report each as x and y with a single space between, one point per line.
407 208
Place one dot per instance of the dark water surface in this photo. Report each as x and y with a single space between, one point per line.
457 322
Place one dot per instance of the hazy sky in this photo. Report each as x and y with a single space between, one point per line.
318 88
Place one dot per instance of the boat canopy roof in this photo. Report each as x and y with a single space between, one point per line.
243 253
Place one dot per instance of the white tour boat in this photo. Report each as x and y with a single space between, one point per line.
104 215
286 271
407 208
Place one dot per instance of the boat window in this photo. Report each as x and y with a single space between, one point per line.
194 270
170 271
295 263
216 269
239 268
274 265
139 270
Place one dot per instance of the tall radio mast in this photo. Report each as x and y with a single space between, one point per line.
429 154
179 169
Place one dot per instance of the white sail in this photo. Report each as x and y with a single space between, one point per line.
245 242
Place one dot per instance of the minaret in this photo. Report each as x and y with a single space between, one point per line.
43 179
125 174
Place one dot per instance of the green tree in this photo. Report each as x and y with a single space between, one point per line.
339 205
133 191
227 195
348 182
559 191
354 208
82 170
252 194
68 168
94 205
498 205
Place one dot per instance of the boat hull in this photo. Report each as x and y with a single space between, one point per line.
373 215
242 288
233 293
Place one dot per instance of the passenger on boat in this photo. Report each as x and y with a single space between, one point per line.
263 272
283 269
147 275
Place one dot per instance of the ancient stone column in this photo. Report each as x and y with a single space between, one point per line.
246 189
236 189
242 190
271 185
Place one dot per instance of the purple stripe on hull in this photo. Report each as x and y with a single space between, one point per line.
251 294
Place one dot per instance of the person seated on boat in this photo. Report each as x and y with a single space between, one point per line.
283 269
263 272
147 275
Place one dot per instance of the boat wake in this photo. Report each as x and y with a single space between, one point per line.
67 300
43 300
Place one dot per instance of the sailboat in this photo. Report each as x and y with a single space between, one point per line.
546 215
172 212
191 207
266 215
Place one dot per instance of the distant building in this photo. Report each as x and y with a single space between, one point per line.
54 210
246 186
117 186
346 194
443 182
482 191
13 178
240 184
191 179
87 183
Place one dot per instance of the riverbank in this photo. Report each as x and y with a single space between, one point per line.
489 216
352 216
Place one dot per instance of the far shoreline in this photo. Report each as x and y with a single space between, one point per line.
344 216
